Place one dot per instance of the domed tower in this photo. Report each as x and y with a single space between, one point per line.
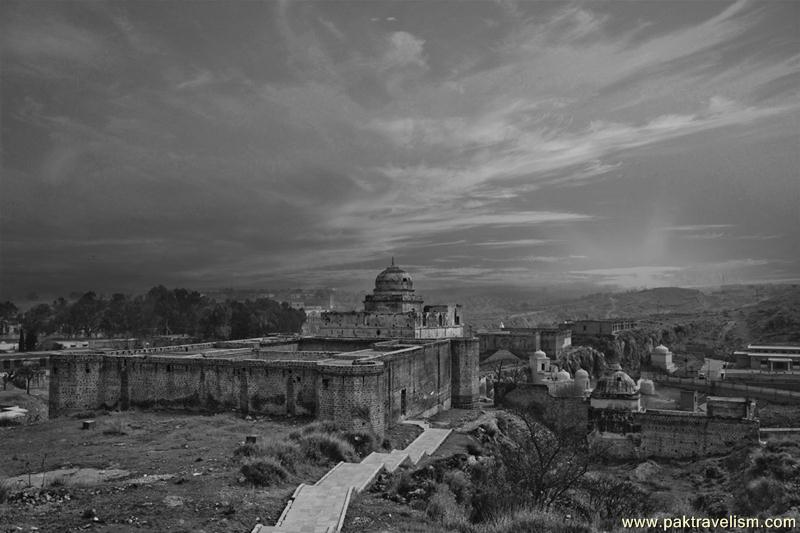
661 357
540 366
393 293
616 390
582 380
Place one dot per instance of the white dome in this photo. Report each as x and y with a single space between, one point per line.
563 375
661 350
581 374
646 386
539 354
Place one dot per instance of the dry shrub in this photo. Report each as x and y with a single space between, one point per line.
248 449
401 484
460 485
364 442
287 454
324 447
320 426
58 481
444 509
531 521
264 471
5 491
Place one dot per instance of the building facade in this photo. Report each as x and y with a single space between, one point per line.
524 342
368 370
393 310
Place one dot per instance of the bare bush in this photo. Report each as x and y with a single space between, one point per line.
444 509
263 472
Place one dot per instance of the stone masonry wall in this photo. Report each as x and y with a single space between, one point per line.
524 343
465 371
74 385
366 324
353 396
385 385
266 387
419 379
682 435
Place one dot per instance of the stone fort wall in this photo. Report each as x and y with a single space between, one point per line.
376 390
685 435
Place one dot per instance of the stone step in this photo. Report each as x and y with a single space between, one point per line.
347 475
375 458
314 509
395 460
321 508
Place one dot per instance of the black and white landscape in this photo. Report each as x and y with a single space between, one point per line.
583 219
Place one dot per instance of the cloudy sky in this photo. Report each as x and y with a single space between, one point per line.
254 144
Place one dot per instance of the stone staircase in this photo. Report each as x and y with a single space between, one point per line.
321 507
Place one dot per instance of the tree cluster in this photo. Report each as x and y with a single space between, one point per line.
535 464
160 311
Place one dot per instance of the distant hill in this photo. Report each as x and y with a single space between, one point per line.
776 319
521 310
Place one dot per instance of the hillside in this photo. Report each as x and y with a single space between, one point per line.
693 323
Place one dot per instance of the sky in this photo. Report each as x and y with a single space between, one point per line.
267 144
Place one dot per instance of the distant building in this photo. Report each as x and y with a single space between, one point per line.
393 310
712 370
6 346
661 358
602 327
615 418
523 342
69 344
616 391
10 330
769 357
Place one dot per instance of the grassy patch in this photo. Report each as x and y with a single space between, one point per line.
530 521
5 491
263 472
320 426
58 481
444 509
115 426
324 447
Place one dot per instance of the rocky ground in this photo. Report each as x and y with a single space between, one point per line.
135 471
168 472
710 486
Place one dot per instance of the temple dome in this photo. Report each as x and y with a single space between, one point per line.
615 384
563 375
661 349
539 354
581 374
393 278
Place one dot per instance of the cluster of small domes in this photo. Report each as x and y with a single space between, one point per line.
615 383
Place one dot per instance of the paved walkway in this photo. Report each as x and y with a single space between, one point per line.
320 508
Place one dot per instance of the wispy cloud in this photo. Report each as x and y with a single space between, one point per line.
332 135
697 227
516 242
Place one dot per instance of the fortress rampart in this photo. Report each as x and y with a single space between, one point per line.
373 385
